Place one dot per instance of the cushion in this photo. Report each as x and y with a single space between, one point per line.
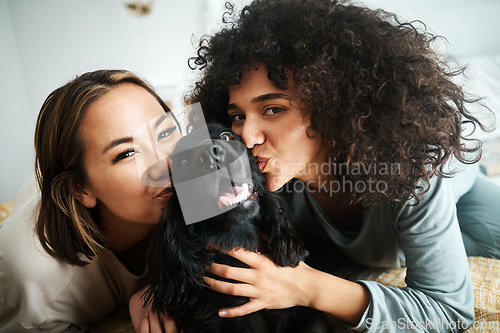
485 275
5 210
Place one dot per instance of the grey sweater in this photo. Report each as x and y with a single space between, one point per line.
426 239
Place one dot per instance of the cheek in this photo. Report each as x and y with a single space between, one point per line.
118 186
133 204
127 187
308 148
236 129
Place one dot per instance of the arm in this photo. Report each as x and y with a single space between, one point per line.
146 321
438 281
439 292
30 279
28 276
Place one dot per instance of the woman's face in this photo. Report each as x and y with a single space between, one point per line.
273 126
111 151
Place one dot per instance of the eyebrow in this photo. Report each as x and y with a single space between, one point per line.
117 142
159 121
262 98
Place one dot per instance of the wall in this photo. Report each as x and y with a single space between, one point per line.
470 26
16 120
45 43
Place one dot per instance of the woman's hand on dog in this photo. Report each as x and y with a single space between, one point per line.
146 321
272 287
267 285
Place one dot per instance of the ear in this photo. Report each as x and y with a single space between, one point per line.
285 246
85 197
177 268
82 194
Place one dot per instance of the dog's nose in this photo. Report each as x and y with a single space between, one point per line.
212 156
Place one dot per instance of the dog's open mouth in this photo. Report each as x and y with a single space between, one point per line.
240 194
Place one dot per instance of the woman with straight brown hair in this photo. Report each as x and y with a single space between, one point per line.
77 250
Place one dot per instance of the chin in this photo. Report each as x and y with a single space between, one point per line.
274 183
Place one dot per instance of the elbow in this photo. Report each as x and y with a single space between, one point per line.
460 317
466 318
467 312
454 321
463 307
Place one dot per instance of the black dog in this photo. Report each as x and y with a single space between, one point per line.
258 221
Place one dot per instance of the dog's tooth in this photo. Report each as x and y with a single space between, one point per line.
224 201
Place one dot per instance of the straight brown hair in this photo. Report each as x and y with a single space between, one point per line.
68 230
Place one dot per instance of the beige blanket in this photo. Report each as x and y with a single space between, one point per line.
485 274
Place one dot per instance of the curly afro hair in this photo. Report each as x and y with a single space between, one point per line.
373 87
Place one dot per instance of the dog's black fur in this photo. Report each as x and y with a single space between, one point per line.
261 223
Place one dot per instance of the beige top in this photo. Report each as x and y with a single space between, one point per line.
41 293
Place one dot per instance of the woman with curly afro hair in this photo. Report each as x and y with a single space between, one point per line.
354 117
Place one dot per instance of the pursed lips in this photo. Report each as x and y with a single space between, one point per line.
261 163
166 193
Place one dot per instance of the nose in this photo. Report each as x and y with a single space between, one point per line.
252 133
212 155
159 173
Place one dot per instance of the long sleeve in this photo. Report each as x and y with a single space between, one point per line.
39 293
438 296
426 239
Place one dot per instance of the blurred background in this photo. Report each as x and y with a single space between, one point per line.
45 43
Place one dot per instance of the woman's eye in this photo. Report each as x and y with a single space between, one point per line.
123 155
273 110
165 133
236 117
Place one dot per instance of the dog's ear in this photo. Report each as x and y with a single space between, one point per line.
177 267
285 246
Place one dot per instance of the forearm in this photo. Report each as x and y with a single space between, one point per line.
344 299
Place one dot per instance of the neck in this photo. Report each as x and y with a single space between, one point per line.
318 180
346 218
129 241
319 173
123 235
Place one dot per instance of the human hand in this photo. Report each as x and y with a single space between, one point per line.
145 320
267 285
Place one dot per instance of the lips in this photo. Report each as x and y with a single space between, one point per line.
261 163
166 194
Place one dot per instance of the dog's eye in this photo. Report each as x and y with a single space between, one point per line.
226 136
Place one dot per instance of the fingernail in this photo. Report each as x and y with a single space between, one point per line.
222 313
